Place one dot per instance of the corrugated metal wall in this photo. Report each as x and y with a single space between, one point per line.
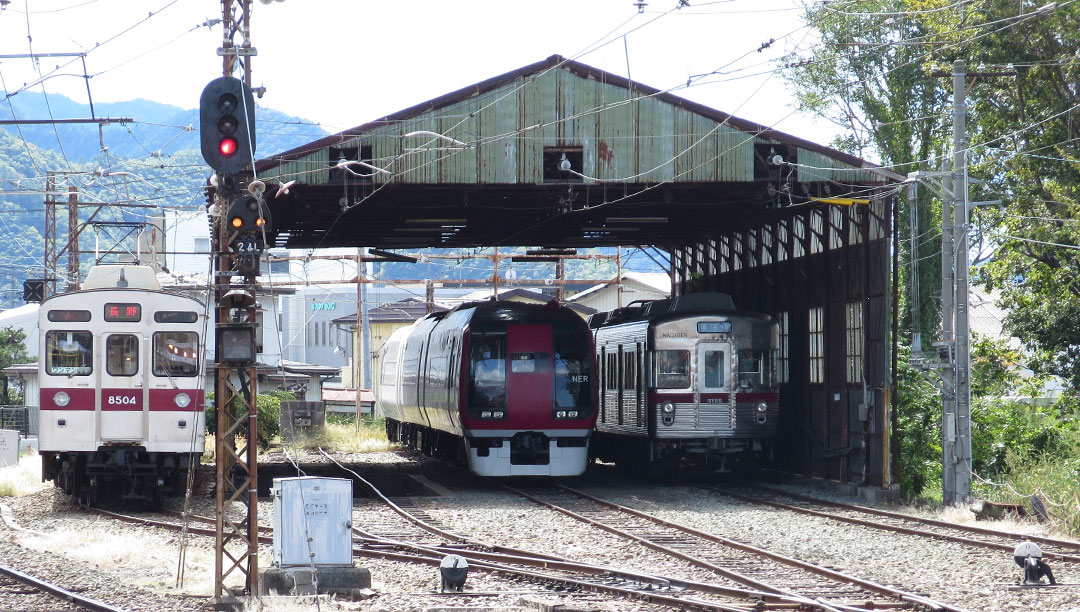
623 136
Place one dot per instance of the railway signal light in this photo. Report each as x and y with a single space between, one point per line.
248 222
227 125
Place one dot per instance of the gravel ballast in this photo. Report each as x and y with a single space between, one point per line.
134 567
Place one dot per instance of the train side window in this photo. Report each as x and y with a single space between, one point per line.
176 354
122 355
672 369
629 371
69 353
611 371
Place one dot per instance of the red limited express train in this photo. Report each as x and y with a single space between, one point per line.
506 388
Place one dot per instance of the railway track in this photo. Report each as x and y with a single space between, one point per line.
401 531
540 572
896 522
751 566
21 591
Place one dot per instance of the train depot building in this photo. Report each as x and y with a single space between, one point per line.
561 155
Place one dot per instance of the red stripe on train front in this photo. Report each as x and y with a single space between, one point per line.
162 400
79 398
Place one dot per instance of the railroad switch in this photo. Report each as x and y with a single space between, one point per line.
453 570
1028 555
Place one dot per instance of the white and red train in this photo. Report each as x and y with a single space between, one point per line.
505 388
121 386
686 381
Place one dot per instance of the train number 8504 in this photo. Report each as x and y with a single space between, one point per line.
120 400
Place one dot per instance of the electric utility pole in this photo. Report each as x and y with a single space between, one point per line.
954 350
957 447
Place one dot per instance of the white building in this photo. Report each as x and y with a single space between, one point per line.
633 286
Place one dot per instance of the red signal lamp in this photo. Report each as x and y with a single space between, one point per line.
228 147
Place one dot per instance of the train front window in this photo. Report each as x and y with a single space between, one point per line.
752 373
122 355
713 371
671 369
572 364
176 354
487 371
69 353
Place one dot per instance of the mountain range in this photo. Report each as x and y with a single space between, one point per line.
157 129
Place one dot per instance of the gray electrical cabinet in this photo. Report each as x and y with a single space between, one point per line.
312 521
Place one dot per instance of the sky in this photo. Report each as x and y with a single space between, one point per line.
342 63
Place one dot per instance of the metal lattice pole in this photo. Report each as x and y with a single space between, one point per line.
237 524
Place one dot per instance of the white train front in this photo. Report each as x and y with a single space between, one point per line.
121 386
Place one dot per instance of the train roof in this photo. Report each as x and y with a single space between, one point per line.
496 310
121 276
645 310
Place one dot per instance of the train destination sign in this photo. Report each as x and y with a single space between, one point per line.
123 313
714 327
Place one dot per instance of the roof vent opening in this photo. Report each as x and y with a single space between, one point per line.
563 164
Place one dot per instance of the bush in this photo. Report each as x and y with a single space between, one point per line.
918 406
268 421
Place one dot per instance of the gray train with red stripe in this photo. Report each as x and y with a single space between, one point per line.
686 381
121 386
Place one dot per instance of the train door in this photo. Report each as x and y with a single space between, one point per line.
714 370
528 381
122 384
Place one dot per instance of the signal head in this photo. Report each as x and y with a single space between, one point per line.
227 125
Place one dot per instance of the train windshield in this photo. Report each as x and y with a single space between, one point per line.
572 365
752 369
487 371
69 353
176 354
671 369
122 355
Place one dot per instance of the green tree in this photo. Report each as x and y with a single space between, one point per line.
891 108
12 351
1025 143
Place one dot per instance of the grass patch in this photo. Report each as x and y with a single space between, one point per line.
1053 480
22 479
346 437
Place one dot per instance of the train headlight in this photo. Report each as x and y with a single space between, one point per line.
572 414
182 400
499 414
762 413
667 413
485 414
560 414
762 407
61 398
